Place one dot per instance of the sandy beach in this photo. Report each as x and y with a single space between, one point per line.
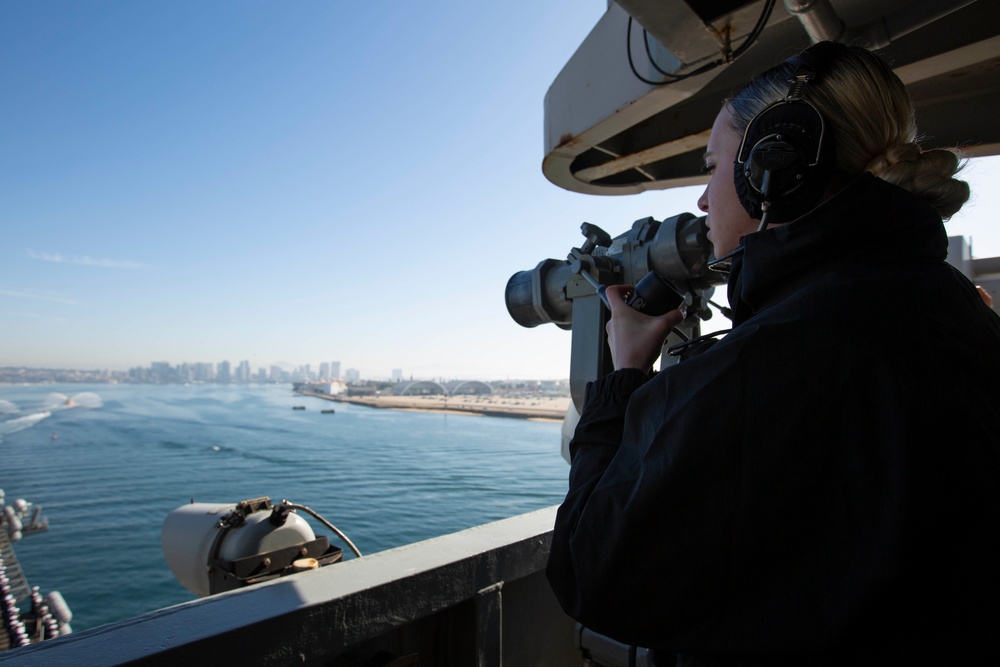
549 408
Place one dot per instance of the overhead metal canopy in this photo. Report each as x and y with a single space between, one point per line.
609 132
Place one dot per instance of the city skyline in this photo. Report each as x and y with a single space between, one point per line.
268 182
223 373
213 371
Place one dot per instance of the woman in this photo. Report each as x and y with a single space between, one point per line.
822 486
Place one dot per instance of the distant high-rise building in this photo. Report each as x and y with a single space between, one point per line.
397 374
203 372
352 375
160 371
278 374
138 374
324 371
243 372
334 370
223 373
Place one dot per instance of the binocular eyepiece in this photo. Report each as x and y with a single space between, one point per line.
667 262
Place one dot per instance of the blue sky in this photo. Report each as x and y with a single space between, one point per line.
295 182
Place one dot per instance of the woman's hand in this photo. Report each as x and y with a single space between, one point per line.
636 339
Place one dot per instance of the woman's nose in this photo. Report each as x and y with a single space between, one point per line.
703 201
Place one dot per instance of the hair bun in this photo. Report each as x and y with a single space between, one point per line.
927 174
894 155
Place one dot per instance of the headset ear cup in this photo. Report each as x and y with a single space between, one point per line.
749 197
789 140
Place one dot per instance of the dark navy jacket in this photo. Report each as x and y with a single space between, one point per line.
821 484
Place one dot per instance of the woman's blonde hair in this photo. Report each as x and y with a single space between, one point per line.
871 115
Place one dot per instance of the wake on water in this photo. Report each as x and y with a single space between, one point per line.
53 402
21 423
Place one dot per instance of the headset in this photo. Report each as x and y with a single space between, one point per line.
786 157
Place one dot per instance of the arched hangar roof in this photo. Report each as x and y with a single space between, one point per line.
473 387
423 388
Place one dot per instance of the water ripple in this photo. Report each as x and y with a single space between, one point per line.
107 477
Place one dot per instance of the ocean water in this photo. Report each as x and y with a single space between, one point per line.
108 470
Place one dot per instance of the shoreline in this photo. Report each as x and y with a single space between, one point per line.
536 408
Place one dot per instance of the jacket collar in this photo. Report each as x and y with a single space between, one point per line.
868 223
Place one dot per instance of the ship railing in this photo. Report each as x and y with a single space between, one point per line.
475 597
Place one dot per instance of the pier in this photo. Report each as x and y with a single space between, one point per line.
548 408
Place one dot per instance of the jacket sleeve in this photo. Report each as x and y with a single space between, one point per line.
599 433
640 543
595 442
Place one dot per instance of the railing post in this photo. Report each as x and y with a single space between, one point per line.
489 626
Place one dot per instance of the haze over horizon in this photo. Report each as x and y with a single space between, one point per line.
297 183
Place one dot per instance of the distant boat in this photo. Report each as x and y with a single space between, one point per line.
298 407
328 411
